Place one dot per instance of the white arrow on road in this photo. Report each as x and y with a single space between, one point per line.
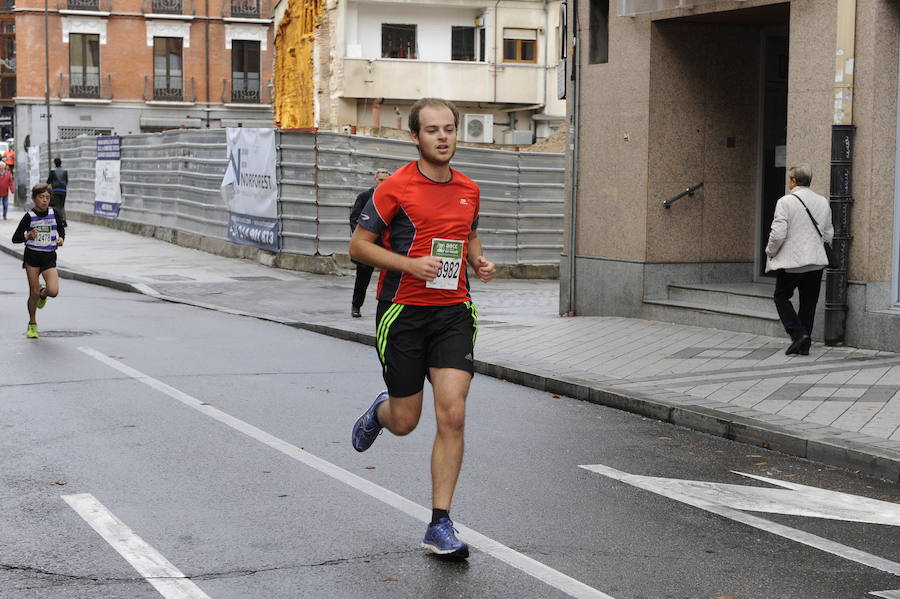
731 501
793 500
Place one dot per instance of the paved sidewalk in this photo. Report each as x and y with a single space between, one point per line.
839 406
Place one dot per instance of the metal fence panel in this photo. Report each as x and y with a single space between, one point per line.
173 179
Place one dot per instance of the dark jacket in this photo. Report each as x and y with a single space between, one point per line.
58 179
361 201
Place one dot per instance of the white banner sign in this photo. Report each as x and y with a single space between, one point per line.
34 168
249 188
107 177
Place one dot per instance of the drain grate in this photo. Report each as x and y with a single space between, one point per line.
67 333
260 278
171 278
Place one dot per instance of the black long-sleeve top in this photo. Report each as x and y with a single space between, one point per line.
58 179
25 226
361 200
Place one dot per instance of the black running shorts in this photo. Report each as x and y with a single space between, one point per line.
412 339
38 259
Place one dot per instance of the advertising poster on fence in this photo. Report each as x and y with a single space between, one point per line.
107 177
249 188
34 168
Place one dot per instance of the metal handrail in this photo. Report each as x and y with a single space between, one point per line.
687 192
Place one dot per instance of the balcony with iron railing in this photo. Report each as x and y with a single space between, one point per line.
104 6
75 87
169 7
246 9
169 89
246 92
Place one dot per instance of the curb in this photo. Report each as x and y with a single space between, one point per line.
864 458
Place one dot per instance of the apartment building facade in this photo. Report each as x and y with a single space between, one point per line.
131 66
369 60
671 94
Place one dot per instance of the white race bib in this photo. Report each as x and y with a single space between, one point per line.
44 235
450 253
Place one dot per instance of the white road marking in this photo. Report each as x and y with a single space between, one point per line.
887 594
670 488
156 569
534 568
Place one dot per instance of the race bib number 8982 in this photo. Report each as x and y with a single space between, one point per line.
450 253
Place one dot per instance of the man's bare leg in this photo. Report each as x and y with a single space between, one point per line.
451 386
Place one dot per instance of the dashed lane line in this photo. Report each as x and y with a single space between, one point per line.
532 567
150 563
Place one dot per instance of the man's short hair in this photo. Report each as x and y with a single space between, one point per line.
801 174
57 161
414 124
382 171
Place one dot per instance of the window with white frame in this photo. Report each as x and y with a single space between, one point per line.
398 41
462 43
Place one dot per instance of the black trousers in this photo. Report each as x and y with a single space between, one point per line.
58 201
808 284
363 276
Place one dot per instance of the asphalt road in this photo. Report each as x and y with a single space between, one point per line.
215 449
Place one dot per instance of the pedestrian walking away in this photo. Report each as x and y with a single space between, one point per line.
42 231
363 271
6 187
426 217
796 253
58 180
9 159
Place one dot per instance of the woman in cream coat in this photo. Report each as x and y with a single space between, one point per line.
795 252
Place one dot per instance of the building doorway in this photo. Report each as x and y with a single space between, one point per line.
773 132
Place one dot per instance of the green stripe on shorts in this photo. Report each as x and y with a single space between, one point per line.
474 312
381 336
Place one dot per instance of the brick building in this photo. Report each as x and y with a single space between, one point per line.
7 67
134 66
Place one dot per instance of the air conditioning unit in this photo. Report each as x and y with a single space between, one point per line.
478 128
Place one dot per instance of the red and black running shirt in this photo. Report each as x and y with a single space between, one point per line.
407 211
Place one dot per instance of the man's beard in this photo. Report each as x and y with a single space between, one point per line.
434 158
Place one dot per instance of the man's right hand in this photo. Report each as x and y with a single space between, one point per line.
425 268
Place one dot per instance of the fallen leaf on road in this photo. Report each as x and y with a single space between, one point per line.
60 483
370 467
760 463
790 475
755 455
282 495
129 426
556 397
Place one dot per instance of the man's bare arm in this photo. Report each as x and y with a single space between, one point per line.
364 249
484 268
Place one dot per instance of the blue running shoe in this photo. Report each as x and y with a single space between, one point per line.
367 429
441 538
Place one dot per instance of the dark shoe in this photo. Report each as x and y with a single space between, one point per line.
797 345
366 429
355 313
440 538
804 351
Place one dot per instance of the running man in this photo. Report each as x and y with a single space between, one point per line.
426 217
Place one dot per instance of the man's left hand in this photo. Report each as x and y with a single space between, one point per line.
484 268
